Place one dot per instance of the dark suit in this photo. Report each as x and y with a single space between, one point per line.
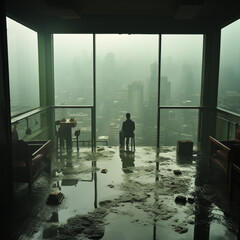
128 127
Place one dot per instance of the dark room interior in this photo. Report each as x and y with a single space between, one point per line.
70 71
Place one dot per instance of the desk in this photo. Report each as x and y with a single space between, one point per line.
65 131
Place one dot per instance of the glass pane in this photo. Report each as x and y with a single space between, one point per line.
73 69
127 79
83 118
177 125
21 128
23 67
181 68
34 122
229 73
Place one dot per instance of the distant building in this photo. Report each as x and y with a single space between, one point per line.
187 81
165 92
135 98
150 108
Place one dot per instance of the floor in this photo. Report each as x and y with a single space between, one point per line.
114 194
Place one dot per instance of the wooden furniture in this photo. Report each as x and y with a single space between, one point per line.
185 148
77 134
30 159
234 172
69 123
57 134
234 178
222 153
65 131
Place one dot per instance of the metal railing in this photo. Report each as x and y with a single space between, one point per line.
231 119
93 140
199 108
27 115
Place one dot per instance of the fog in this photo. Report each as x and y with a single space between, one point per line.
229 72
127 81
23 67
126 73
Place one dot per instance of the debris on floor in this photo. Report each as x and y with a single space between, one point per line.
100 149
180 229
88 226
152 194
104 170
181 199
191 199
177 172
54 217
55 198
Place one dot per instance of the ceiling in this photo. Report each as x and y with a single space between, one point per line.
125 16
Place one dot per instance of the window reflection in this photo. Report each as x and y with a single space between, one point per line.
23 67
229 87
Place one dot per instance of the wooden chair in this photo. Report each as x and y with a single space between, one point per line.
77 134
234 178
57 133
222 153
60 133
30 159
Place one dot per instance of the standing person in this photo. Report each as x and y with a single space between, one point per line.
128 128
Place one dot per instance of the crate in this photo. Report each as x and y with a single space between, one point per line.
184 148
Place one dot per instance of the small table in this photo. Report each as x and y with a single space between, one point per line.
66 131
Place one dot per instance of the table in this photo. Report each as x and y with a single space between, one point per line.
66 131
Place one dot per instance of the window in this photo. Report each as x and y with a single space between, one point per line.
127 79
229 72
73 69
23 67
178 124
181 69
180 88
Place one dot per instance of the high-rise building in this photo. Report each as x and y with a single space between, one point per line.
165 90
135 97
187 81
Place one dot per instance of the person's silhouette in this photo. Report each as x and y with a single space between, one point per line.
127 131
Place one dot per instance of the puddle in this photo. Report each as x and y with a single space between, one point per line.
134 199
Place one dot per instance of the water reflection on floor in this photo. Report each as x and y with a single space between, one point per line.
134 198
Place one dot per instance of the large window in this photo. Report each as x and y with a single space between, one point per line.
180 87
127 79
181 68
127 73
23 67
178 124
229 73
73 69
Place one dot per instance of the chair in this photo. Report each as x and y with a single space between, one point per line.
77 134
57 133
222 153
132 139
234 178
61 134
30 159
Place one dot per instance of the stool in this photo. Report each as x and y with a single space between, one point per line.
185 148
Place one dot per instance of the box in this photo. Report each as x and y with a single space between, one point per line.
184 148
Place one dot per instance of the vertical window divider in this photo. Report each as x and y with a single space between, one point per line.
159 83
93 115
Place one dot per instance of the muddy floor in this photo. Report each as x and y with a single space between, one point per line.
114 194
